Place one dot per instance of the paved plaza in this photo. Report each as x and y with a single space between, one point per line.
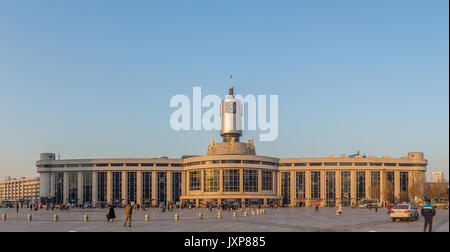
279 220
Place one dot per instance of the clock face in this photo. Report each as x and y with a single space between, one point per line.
230 107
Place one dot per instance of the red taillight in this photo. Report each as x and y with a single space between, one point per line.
406 211
392 211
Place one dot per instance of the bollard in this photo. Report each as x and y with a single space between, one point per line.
200 216
245 213
146 218
85 218
218 215
111 220
29 217
257 212
234 215
176 217
263 211
4 217
55 218
253 213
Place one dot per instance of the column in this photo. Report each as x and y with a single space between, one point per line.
66 188
368 185
308 187
108 187
94 187
397 185
323 187
338 187
124 187
274 184
169 186
184 183
80 188
52 184
221 181
241 181
154 188
353 186
259 181
293 186
202 180
139 187
382 185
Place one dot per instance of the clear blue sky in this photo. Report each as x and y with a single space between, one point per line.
89 79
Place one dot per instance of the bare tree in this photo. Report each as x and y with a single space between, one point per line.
417 187
375 191
389 191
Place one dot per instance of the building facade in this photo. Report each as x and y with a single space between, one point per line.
230 172
437 177
23 190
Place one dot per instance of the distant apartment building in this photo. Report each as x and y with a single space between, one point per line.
22 190
437 177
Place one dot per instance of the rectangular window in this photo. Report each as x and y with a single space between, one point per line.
286 188
131 186
360 164
231 180
375 164
87 187
360 184
267 180
346 191
403 181
147 188
59 187
346 164
330 164
300 185
315 164
211 180
117 187
161 187
315 185
195 180
331 186
176 186
101 186
250 180
73 187
299 164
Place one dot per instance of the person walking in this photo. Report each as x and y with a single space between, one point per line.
128 212
17 208
111 214
376 208
316 210
428 212
389 208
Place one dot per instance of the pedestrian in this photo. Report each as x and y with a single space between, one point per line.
111 214
128 212
428 212
389 208
376 208
339 210
317 208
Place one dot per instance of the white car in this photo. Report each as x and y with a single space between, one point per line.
404 211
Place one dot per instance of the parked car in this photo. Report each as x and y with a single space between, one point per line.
404 211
